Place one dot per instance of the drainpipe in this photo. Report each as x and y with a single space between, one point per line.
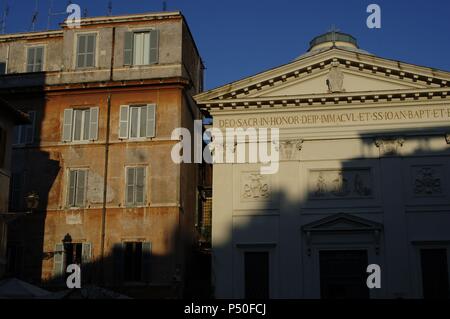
105 170
105 193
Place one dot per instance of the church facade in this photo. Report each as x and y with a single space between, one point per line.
363 179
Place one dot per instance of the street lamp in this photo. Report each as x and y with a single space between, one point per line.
32 203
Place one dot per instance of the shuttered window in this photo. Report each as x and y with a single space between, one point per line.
77 187
137 122
135 186
17 193
24 134
71 253
86 46
35 59
80 125
133 261
141 47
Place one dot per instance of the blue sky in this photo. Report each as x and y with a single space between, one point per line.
239 38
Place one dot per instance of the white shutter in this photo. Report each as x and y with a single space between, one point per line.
58 261
123 125
72 187
86 253
140 185
130 185
151 120
30 59
93 128
29 129
129 45
67 125
81 188
154 46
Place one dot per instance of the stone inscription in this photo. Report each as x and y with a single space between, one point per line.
340 118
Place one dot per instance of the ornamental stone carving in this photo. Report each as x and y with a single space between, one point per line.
447 138
290 149
255 186
335 80
389 146
427 181
347 183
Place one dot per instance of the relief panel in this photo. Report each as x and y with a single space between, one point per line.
340 184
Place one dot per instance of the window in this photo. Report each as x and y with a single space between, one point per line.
133 261
70 253
77 187
2 68
137 121
86 46
141 47
256 275
35 59
3 140
17 200
80 125
435 279
135 186
24 134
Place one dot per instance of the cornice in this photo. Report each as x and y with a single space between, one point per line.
329 99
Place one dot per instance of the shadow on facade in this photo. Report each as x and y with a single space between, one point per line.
384 206
139 277
33 170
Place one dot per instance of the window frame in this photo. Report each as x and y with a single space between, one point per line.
82 127
137 31
28 48
139 122
75 205
128 109
22 131
77 54
135 204
94 134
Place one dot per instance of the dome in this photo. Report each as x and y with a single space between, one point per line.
330 40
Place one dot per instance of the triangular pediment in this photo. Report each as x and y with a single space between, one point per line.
342 222
351 82
332 71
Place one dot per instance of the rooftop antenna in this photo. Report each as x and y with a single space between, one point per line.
164 5
51 13
35 16
4 16
110 8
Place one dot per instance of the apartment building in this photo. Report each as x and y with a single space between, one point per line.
104 99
